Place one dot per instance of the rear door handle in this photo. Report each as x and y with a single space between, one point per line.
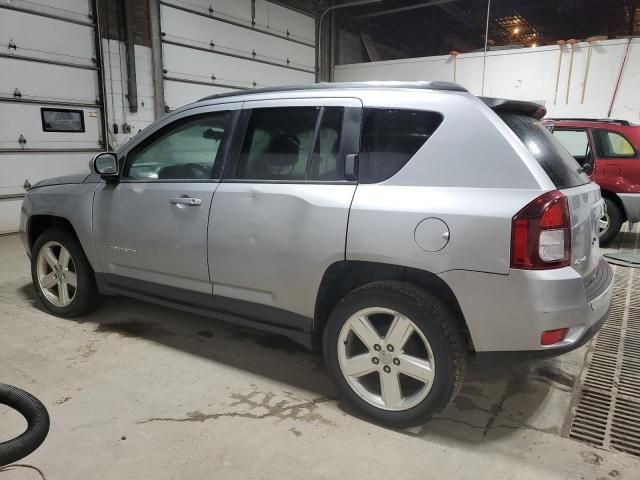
188 201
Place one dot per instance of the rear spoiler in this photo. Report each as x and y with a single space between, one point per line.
515 106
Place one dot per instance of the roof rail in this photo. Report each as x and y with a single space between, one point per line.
607 120
435 85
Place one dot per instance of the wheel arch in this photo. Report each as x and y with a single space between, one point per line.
38 224
344 276
615 199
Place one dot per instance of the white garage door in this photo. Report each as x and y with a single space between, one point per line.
50 115
215 46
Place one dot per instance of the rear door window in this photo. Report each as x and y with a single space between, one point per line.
292 144
612 145
576 142
563 170
390 137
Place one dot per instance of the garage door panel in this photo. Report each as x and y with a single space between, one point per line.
62 83
197 65
39 166
39 37
178 94
50 65
234 10
26 120
279 19
75 9
184 27
10 214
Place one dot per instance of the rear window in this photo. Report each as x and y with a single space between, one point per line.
553 157
390 137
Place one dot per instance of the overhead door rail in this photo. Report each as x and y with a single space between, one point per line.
49 62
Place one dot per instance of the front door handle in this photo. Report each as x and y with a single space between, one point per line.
188 201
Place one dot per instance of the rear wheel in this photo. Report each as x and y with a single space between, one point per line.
61 273
396 352
610 223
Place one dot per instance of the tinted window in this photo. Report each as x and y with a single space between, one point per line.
553 157
390 138
277 144
187 151
326 163
576 142
611 145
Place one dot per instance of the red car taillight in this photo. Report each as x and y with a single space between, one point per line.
541 233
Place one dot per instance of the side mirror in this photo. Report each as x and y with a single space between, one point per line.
106 165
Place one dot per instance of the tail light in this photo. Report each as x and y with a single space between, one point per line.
541 233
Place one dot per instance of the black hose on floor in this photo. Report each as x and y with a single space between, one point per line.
37 424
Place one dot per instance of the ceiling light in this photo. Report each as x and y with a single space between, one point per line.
516 30
534 45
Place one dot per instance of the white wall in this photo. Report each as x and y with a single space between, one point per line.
529 74
115 73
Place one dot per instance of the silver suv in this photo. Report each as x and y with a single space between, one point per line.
402 226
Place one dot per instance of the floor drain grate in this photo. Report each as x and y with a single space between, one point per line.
606 406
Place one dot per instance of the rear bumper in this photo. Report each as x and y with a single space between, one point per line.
631 202
508 313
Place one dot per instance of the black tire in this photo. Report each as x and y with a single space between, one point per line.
615 222
86 297
37 424
436 322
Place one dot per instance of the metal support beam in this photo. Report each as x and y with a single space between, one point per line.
355 3
102 91
132 84
432 3
156 57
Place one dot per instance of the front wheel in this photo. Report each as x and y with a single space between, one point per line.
396 352
62 275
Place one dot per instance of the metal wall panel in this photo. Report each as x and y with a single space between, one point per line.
48 58
63 84
42 37
283 20
184 27
196 65
179 93
74 10
239 10
38 166
211 47
25 120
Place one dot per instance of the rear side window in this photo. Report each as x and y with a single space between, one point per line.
390 137
612 145
277 144
292 144
563 170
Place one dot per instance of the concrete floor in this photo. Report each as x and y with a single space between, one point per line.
139 391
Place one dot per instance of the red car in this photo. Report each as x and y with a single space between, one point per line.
609 150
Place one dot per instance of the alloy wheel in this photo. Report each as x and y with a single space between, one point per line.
56 272
386 359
